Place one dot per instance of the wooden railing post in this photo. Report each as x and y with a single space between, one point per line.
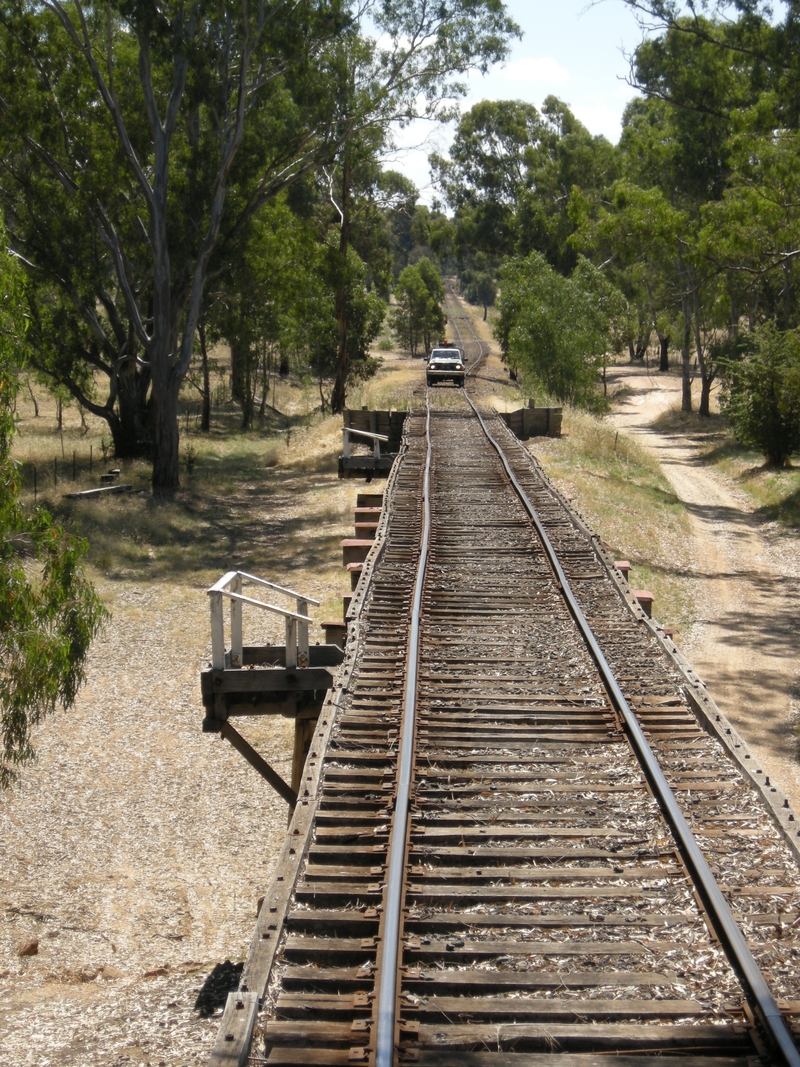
217 631
291 644
302 631
230 587
236 623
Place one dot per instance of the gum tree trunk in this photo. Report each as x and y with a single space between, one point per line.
686 358
339 394
166 460
205 421
663 363
706 372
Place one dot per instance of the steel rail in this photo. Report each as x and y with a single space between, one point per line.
395 880
733 941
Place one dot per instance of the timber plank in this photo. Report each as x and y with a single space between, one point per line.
436 1058
232 1044
347 947
522 1036
371 886
450 875
353 979
592 1036
314 1057
486 893
481 833
302 1005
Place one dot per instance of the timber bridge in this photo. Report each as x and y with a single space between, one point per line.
523 835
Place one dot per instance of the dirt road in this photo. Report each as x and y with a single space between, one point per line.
744 644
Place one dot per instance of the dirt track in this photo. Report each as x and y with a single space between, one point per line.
744 641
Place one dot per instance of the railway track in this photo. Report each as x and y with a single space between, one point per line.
481 870
474 349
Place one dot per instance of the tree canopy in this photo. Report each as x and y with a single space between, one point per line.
691 220
140 141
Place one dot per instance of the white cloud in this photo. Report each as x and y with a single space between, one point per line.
530 69
598 117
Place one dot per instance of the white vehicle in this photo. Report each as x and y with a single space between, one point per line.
446 363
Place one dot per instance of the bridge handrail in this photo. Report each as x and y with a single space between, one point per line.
348 431
230 586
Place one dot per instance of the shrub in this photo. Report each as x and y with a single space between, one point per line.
761 392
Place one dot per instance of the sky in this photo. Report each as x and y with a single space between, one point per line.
569 49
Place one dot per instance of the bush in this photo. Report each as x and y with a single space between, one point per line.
49 613
761 392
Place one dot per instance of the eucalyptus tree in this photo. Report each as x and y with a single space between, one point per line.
752 234
144 117
761 394
167 126
419 316
509 174
485 171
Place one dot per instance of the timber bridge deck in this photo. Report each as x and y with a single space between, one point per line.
524 836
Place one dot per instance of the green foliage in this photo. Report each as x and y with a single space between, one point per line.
762 392
364 311
479 288
49 613
419 317
554 330
139 140
509 175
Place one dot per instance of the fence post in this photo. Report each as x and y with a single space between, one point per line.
236 624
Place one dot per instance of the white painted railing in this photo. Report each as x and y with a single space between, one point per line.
230 586
376 438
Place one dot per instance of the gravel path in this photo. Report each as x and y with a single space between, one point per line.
744 641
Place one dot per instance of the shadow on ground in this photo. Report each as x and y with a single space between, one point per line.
222 980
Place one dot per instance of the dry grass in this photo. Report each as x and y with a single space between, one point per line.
268 501
620 489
